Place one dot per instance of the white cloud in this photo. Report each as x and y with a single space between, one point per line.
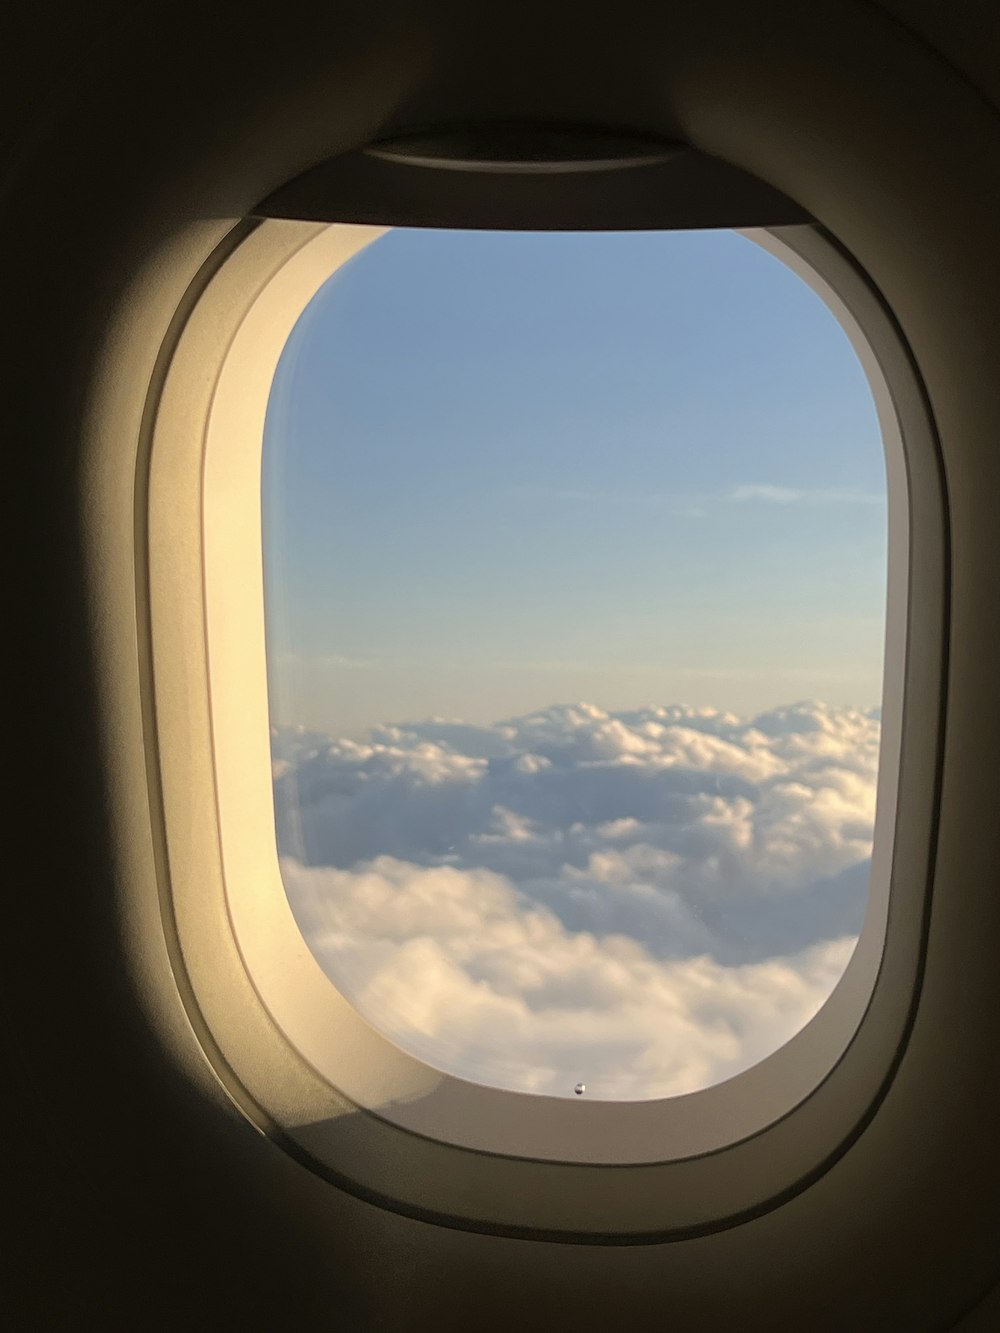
773 494
334 661
690 504
647 900
457 966
790 495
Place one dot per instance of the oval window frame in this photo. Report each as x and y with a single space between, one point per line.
311 1071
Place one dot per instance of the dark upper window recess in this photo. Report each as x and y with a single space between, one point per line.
565 178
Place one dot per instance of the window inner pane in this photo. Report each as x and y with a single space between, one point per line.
575 577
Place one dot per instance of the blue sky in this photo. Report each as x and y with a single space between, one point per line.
503 470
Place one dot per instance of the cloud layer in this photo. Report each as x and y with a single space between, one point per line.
645 901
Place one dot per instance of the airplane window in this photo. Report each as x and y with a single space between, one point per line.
575 582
